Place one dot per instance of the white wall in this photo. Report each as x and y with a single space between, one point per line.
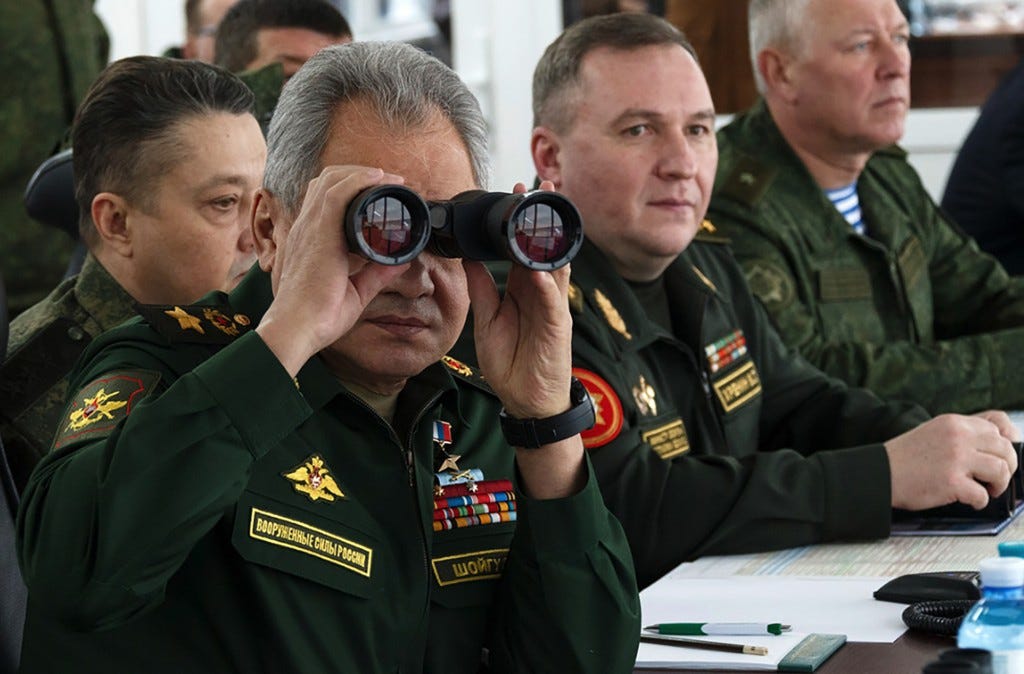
496 45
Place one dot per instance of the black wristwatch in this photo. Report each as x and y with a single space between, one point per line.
533 433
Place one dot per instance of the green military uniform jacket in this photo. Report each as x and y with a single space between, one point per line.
182 535
52 51
912 310
45 341
713 440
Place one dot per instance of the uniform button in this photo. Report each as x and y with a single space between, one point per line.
76 333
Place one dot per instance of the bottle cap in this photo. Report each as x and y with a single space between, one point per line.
1002 572
1011 549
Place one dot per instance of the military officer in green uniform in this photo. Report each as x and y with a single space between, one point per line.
52 52
712 437
267 41
857 266
164 210
269 480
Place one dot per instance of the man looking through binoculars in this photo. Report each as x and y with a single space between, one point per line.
268 504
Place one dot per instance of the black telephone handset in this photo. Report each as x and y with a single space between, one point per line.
938 586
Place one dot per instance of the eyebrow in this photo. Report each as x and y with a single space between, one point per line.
222 179
641 113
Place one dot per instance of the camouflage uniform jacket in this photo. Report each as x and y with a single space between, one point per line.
52 51
911 310
44 344
711 440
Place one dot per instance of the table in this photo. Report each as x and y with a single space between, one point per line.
889 557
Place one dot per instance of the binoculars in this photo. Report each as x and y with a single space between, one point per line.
391 224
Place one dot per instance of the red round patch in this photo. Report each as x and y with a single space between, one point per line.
607 409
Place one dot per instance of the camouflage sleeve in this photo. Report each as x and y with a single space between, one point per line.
963 370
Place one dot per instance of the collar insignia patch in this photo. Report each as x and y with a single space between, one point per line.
607 409
313 479
644 397
575 298
611 314
102 403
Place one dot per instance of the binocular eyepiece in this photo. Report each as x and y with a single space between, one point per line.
391 224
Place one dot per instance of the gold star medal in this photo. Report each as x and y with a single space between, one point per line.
186 320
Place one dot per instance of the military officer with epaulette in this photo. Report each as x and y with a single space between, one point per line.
293 477
859 269
712 437
164 186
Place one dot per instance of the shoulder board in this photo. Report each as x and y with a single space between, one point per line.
575 298
40 363
465 373
893 152
195 323
748 181
708 233
98 407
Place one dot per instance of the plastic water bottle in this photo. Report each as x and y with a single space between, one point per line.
996 622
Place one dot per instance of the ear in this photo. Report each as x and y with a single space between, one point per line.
545 146
265 213
110 215
775 68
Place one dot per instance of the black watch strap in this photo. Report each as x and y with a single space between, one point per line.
533 433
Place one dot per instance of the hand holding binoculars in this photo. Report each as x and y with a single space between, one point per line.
391 224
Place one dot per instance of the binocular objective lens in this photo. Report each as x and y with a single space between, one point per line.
540 233
388 227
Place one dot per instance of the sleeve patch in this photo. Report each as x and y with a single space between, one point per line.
770 283
99 406
607 409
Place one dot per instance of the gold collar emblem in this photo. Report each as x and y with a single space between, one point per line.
313 479
611 314
221 322
643 394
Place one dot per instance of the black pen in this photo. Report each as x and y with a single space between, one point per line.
704 645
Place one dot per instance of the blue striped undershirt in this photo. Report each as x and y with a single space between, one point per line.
846 202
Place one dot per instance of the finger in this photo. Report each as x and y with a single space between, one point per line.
483 293
369 280
520 188
547 186
992 471
973 493
1000 447
1002 421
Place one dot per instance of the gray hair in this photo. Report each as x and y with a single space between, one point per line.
405 85
557 74
774 23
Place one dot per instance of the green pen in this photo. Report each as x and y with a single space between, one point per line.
721 629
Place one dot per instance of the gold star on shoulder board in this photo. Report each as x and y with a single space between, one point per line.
186 320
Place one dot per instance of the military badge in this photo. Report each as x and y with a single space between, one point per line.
575 298
186 320
770 284
611 314
103 403
220 321
607 409
313 479
442 433
724 351
668 441
644 397
457 366
738 387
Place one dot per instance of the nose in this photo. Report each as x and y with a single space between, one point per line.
894 59
678 159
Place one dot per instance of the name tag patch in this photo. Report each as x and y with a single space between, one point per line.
669 440
480 565
738 386
295 535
